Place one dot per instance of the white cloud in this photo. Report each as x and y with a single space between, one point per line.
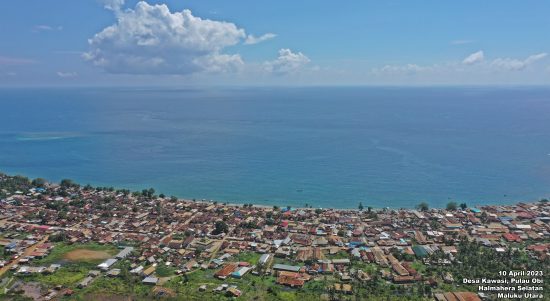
66 74
41 28
250 39
14 61
516 64
461 42
150 39
401 69
287 62
474 58
113 4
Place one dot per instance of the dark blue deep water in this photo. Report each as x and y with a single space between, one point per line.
328 147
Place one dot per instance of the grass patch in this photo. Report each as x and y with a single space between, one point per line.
164 270
66 276
130 286
250 257
59 253
419 266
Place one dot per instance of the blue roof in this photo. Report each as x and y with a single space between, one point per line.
286 267
420 251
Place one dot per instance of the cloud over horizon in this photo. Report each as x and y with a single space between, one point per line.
287 62
474 58
150 39
407 69
14 61
517 64
66 74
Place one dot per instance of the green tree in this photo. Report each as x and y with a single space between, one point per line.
451 206
39 182
423 206
360 206
68 183
220 227
463 206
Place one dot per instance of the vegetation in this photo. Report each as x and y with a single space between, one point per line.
220 227
452 206
423 206
61 249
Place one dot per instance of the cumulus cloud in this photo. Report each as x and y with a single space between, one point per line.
113 4
401 69
517 64
66 74
474 58
250 39
287 62
150 39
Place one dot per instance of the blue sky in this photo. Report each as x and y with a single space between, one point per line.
256 42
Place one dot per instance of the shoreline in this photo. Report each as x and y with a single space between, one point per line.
281 206
260 206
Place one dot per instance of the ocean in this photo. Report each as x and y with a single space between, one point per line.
326 147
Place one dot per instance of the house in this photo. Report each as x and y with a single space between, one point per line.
239 273
150 270
124 252
225 271
106 264
189 265
264 259
343 288
290 280
150 280
113 273
137 270
342 261
511 237
233 292
285 267
85 282
420 251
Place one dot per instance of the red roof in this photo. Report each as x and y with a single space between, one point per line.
511 237
226 270
538 248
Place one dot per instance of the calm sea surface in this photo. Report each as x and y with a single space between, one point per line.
328 147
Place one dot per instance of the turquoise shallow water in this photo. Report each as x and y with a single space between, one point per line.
328 147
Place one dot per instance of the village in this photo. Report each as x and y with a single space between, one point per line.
208 250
